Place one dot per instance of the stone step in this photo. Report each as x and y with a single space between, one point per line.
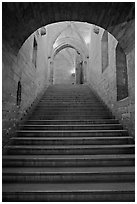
75 106
71 122
71 111
72 103
67 109
62 96
68 174
68 160
70 149
72 127
68 117
72 133
73 100
87 110
70 99
69 96
56 192
69 103
70 140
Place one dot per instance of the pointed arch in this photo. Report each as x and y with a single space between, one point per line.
121 73
65 32
104 51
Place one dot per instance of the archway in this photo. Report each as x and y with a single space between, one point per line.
64 66
26 17
77 72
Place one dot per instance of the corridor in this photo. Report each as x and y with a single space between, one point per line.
68 102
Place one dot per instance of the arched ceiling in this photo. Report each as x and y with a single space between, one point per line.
68 53
21 19
67 45
75 43
72 32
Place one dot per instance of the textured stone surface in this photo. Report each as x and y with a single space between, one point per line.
105 84
25 18
69 157
33 80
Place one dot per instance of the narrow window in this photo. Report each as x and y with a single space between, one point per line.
19 94
34 57
121 74
104 50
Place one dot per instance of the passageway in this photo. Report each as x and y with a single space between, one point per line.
68 96
68 67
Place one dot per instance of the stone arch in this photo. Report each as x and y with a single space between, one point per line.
66 44
70 25
78 50
113 17
75 42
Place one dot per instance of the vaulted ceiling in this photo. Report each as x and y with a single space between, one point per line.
71 35
20 19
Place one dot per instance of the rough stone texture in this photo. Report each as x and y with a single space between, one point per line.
26 17
33 81
105 83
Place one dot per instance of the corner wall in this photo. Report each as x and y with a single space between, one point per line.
104 84
34 80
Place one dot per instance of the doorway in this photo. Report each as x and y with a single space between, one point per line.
68 67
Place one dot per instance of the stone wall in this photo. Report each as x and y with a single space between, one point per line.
33 81
104 83
26 17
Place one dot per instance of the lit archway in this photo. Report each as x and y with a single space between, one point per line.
80 74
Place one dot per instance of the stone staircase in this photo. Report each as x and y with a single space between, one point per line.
70 149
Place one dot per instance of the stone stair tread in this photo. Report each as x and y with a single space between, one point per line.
51 148
69 125
69 170
75 120
95 121
68 146
104 156
67 187
71 138
71 131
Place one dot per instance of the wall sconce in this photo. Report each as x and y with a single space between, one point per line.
43 31
96 30
37 33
